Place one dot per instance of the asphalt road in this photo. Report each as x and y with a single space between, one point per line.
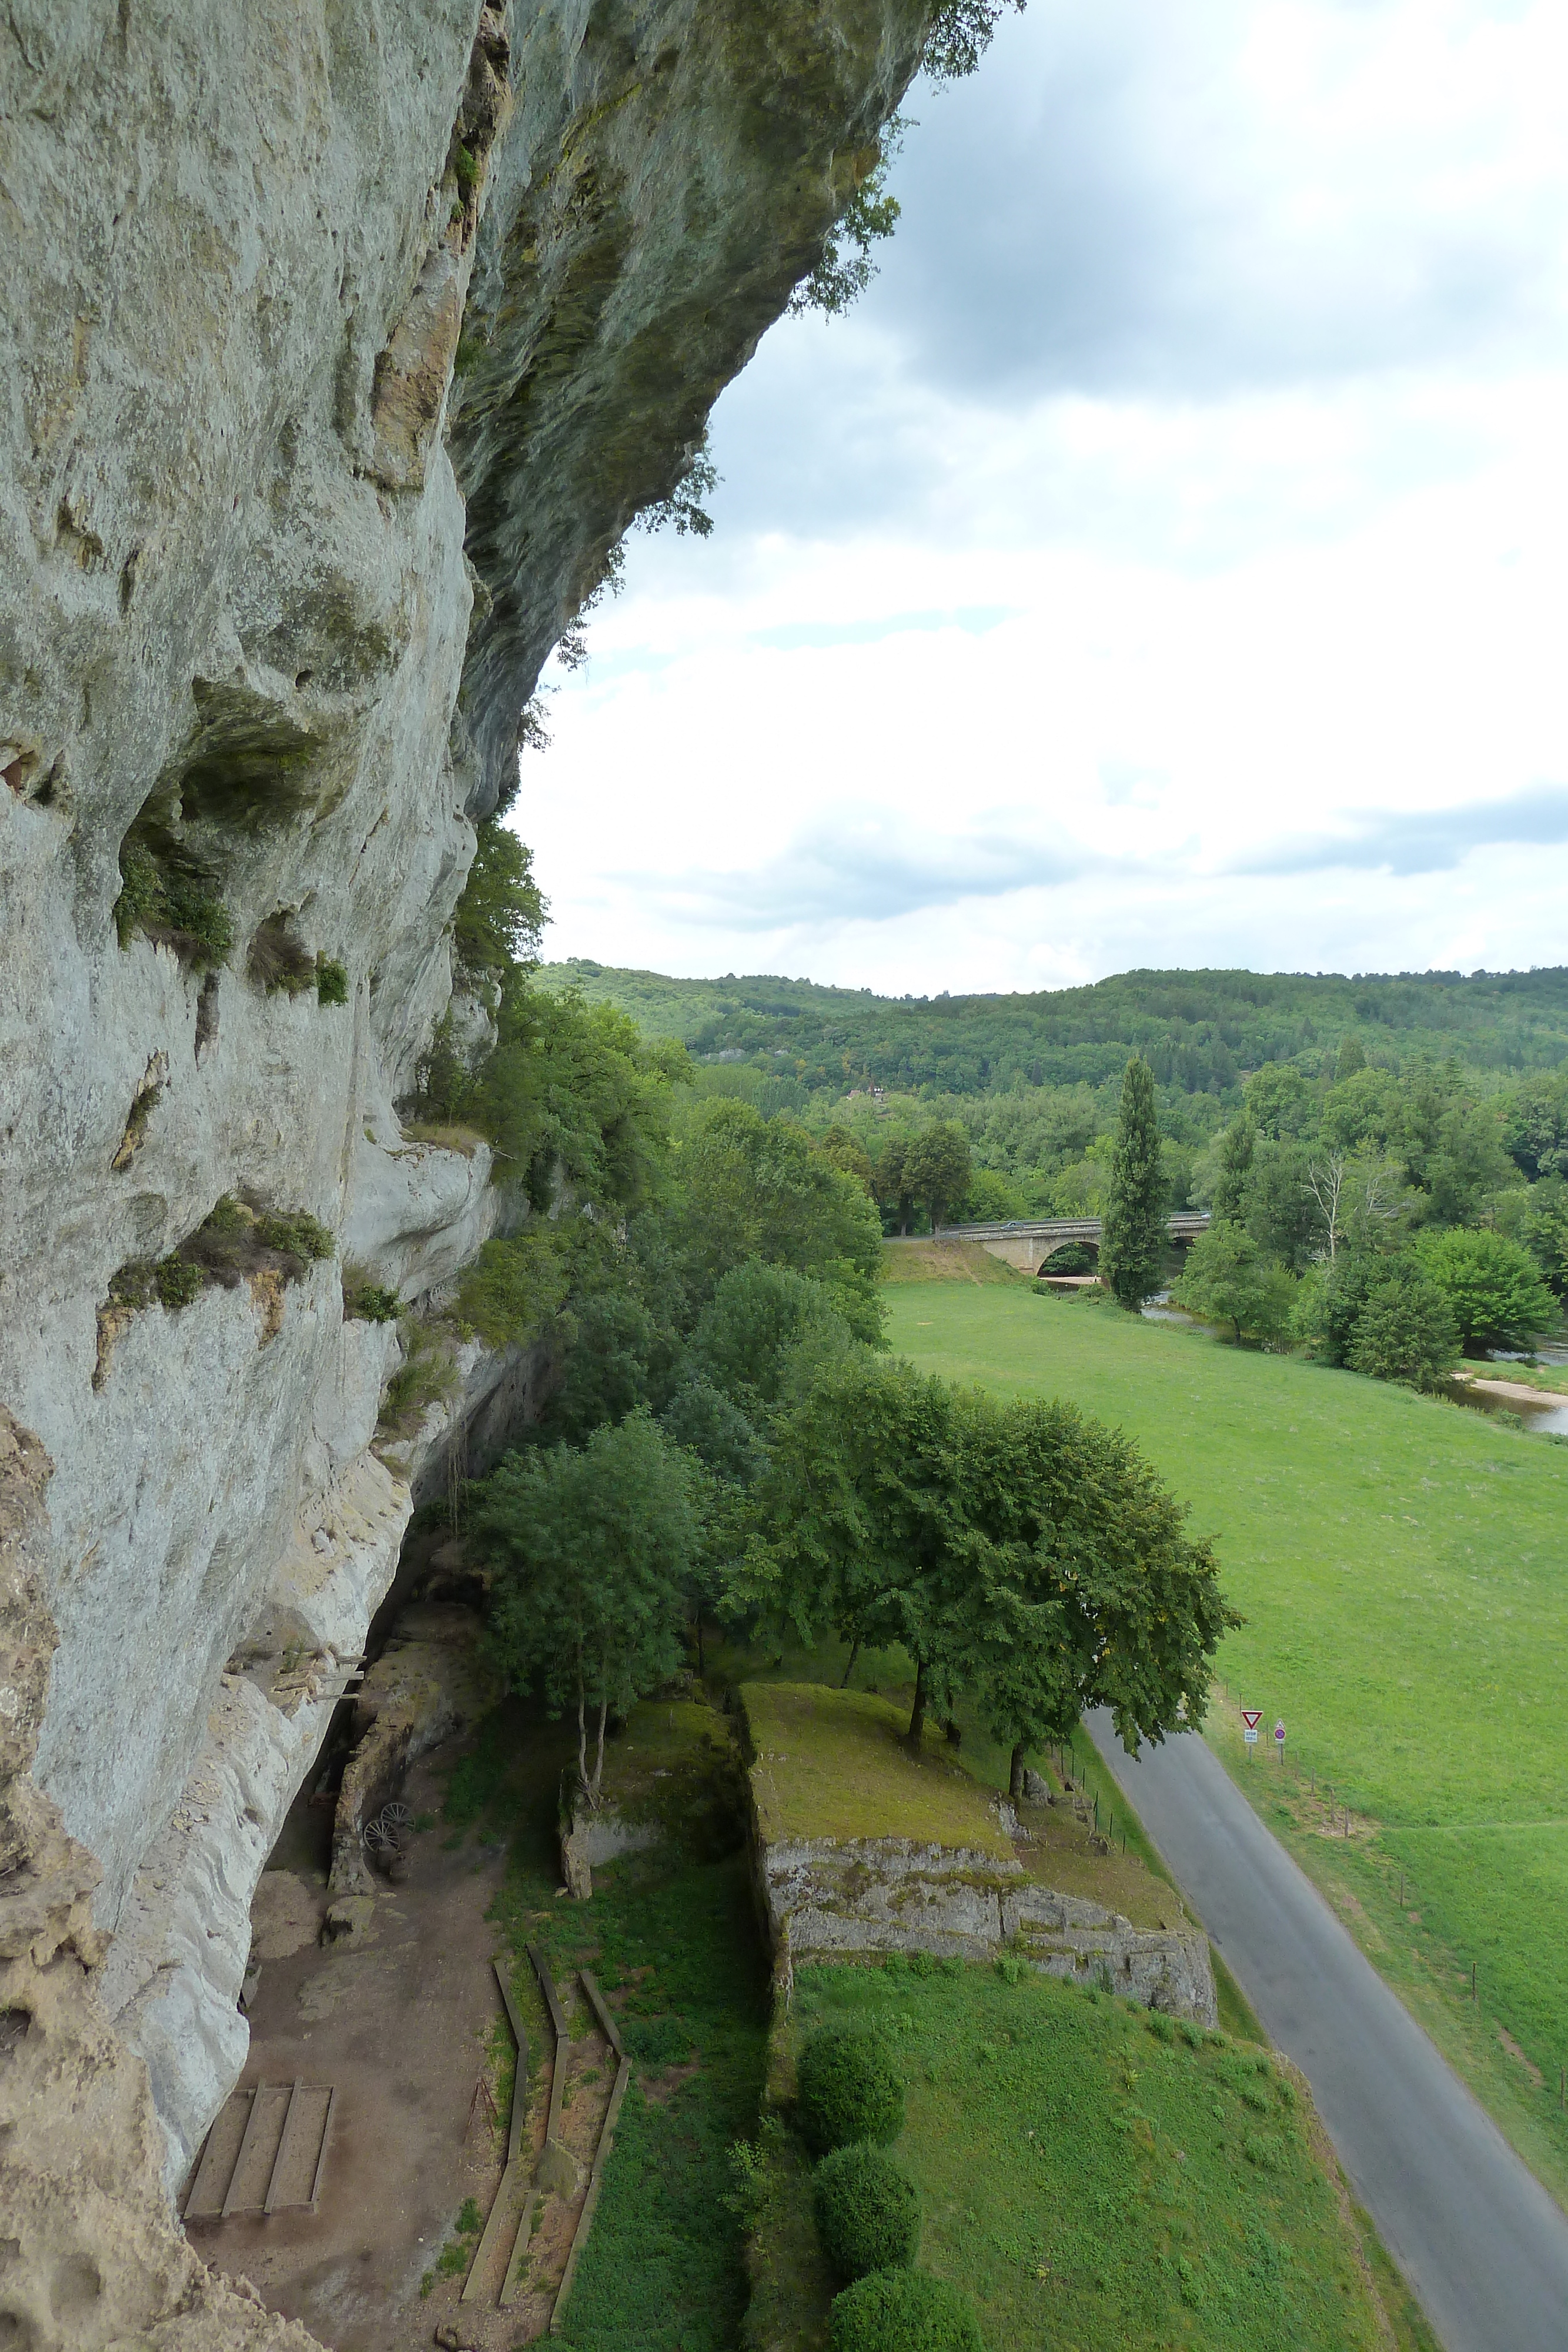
1484 2246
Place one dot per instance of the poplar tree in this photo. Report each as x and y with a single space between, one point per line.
1236 1148
1133 1241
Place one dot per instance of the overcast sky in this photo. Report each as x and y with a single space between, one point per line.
1165 563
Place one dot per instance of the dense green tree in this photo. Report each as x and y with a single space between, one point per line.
1133 1240
1282 1212
747 1187
607 1371
1543 1229
1379 1315
500 915
937 1169
891 1182
1492 1284
1237 1148
1021 1551
757 1318
1536 1128
716 1430
574 1091
1280 1101
991 1200
1405 1331
1351 1056
861 1529
1362 1111
1229 1279
1096 1595
839 1149
593 1550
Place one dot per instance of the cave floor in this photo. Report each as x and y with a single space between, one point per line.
403 2025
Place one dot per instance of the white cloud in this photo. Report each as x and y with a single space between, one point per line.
1227 635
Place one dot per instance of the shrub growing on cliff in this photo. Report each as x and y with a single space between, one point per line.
847 2089
867 2209
905 2311
178 909
331 980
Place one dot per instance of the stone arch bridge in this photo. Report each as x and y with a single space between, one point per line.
1030 1246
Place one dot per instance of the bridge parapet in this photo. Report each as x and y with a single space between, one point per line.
1030 1242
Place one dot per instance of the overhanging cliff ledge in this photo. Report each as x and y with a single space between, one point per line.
345 339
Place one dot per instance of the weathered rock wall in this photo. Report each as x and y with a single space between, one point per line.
823 1897
272 596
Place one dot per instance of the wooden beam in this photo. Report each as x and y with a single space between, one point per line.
519 2251
595 2180
322 2156
275 2180
520 2072
252 2122
602 2010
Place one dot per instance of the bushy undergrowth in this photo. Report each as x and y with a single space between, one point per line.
905 2311
848 2088
867 2211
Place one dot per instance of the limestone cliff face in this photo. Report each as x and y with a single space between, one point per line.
344 338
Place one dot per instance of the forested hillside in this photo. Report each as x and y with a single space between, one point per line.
1201 1031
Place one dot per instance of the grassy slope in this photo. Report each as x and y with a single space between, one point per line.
833 1764
1092 2184
1399 1563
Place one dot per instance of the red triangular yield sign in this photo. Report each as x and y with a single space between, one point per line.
1251 1716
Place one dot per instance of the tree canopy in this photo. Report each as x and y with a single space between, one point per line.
1021 1551
593 1549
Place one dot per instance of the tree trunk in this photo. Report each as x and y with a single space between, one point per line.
952 1733
854 1653
598 1758
918 1712
1015 1776
701 1666
582 1741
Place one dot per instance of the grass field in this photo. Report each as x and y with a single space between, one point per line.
1402 1568
1090 2180
663 2268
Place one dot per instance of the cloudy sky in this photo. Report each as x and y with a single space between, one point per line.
1165 563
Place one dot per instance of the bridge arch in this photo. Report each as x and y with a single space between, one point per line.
1070 1257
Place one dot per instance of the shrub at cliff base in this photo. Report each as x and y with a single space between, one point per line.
905 2311
847 2089
867 2209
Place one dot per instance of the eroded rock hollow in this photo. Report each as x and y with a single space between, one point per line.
345 338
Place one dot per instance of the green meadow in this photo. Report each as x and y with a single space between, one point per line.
1092 2175
1401 1565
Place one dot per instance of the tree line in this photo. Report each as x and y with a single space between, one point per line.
1384 1229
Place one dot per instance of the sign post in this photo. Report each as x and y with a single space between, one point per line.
1280 1739
1251 1716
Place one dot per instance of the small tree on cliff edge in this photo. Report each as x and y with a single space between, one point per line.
1133 1241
